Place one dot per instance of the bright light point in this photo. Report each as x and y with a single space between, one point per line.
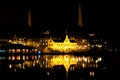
83 65
39 52
85 59
92 73
13 57
10 66
48 73
99 59
38 56
67 59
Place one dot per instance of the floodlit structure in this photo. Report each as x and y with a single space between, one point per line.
62 46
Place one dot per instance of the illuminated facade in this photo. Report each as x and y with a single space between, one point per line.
65 46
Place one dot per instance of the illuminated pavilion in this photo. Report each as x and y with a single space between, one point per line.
62 46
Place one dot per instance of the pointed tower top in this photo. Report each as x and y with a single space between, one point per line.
66 38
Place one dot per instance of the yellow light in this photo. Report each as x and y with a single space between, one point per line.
85 59
13 57
48 73
10 66
27 50
91 73
63 60
13 50
9 57
23 50
18 50
18 57
23 67
83 65
10 41
67 59
23 57
9 50
35 50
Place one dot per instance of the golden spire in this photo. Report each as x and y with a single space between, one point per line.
29 18
80 23
66 38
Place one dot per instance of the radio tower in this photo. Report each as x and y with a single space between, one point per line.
80 23
29 18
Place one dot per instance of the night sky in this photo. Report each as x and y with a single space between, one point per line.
58 15
45 14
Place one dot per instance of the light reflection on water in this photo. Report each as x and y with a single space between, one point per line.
77 67
48 61
51 64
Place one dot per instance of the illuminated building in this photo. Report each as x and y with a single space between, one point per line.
66 46
43 43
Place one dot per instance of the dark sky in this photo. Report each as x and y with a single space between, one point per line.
44 13
57 15
47 12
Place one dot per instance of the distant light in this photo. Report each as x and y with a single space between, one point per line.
39 52
2 51
91 73
92 34
10 66
99 59
38 56
48 73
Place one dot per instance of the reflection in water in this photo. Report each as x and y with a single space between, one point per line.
48 61
67 67
52 65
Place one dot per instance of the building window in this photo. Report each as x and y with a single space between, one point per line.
43 43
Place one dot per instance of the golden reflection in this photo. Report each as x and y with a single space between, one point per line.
91 73
10 65
20 66
48 61
68 60
9 57
27 58
48 73
23 57
83 65
65 60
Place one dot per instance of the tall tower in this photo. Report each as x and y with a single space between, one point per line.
66 38
80 23
29 18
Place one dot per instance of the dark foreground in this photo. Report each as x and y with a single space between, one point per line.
40 67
